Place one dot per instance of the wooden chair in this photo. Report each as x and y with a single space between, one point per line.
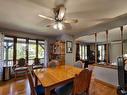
79 64
38 90
20 68
53 63
37 64
82 82
79 86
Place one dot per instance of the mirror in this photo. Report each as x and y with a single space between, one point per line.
101 47
115 45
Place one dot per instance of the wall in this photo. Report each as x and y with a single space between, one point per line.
125 47
107 75
115 51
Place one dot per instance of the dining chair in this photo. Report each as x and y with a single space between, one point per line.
20 68
79 64
53 63
79 86
38 90
37 64
82 82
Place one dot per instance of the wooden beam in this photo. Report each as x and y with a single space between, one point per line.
14 51
95 48
121 28
27 50
107 48
36 48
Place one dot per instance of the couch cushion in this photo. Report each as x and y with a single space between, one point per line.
21 68
39 90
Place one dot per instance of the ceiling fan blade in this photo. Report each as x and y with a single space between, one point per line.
50 25
67 26
70 20
45 17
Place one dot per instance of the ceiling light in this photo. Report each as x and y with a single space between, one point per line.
55 26
58 25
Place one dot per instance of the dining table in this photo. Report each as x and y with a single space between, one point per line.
53 77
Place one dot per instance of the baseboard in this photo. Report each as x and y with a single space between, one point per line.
105 83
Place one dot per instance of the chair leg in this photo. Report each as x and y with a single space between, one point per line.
87 92
15 76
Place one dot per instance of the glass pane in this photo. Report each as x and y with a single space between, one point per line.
32 51
101 52
21 48
8 50
85 52
41 51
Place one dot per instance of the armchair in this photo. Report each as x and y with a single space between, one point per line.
20 68
37 64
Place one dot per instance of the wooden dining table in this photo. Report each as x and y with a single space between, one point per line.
50 78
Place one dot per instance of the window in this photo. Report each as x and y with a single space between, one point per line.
31 51
21 48
41 51
101 53
83 52
25 48
8 50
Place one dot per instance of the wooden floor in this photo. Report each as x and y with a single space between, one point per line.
21 87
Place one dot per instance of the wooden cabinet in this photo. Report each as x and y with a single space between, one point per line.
57 51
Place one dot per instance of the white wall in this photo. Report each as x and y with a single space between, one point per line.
125 47
107 75
115 51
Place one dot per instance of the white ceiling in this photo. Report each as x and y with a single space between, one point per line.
21 15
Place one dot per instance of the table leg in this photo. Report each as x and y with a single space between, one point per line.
47 91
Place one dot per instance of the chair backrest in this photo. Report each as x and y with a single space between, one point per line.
78 64
31 82
53 63
36 61
21 62
82 82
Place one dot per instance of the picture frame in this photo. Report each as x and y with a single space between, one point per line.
69 46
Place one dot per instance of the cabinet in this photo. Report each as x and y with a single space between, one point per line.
57 51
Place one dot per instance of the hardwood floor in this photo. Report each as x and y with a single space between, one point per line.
21 87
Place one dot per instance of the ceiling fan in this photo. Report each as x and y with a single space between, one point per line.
59 20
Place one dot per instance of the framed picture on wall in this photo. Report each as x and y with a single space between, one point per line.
68 46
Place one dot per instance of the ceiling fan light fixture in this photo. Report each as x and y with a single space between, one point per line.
55 26
58 25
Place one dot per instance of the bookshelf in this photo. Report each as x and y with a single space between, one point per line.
57 51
